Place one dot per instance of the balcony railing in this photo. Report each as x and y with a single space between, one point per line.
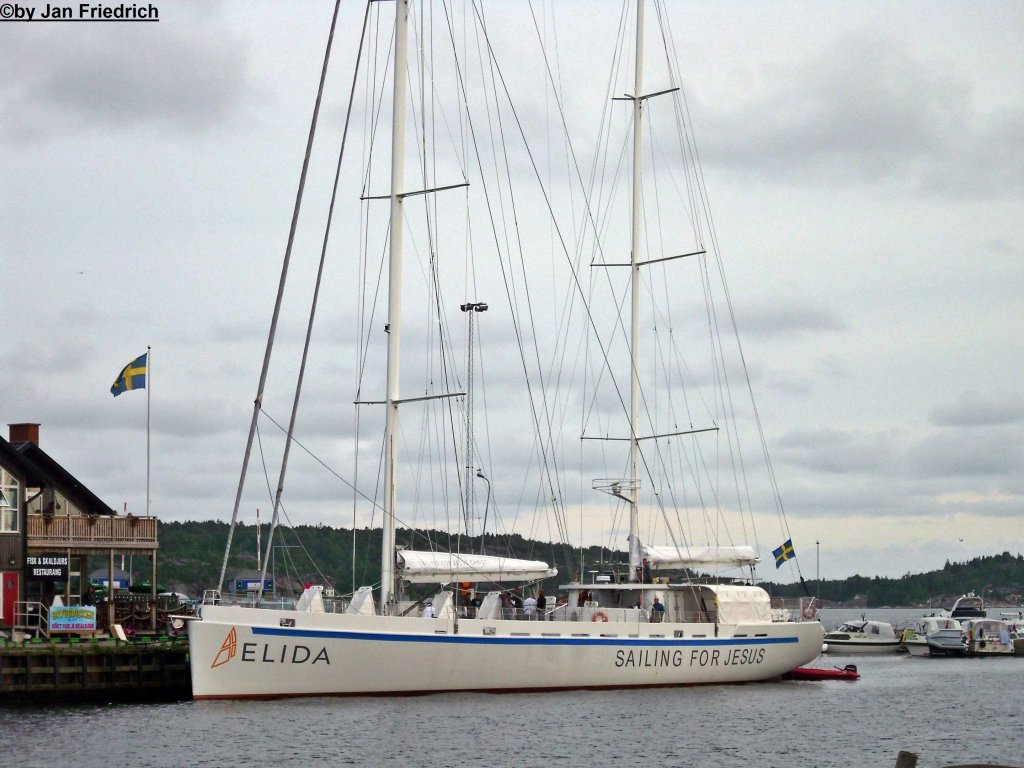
97 532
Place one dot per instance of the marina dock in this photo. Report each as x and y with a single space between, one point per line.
100 671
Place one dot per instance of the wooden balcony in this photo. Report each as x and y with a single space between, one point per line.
92 533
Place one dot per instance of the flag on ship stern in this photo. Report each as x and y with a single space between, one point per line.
784 553
133 376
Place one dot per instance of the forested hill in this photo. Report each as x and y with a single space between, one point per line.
998 578
191 554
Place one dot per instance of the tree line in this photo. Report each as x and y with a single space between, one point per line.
191 555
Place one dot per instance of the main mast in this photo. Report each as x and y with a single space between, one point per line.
394 324
634 343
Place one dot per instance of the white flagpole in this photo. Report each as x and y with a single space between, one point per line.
149 390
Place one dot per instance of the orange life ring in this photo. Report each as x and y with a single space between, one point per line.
600 616
809 612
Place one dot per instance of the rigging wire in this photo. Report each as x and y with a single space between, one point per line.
280 292
703 197
316 294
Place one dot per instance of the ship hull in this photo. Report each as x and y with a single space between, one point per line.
247 653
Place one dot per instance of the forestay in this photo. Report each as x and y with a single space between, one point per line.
444 568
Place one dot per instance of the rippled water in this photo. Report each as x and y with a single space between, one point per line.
947 710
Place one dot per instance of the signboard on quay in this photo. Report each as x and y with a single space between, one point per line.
73 618
47 567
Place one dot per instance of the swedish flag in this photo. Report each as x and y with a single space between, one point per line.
784 553
132 377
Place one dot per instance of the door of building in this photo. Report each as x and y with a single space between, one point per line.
8 597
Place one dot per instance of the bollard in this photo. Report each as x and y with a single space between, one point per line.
906 760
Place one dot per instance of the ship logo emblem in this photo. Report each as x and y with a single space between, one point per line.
227 650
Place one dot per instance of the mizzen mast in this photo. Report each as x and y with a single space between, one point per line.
394 323
634 260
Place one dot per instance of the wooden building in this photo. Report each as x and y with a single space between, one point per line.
53 529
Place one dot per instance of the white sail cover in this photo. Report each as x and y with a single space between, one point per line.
311 600
700 557
362 602
446 567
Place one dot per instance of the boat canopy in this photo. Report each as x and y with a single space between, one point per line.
447 567
700 557
734 603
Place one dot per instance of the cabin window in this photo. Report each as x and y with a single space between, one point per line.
10 493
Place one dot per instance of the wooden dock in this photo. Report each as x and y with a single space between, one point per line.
98 671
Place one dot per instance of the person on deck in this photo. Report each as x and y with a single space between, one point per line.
542 605
657 611
530 608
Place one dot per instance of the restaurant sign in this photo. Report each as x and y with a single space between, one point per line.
47 567
73 618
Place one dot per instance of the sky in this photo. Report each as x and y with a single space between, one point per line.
864 166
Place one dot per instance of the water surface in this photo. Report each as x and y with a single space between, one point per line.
947 710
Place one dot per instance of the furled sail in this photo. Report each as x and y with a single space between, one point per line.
700 557
445 568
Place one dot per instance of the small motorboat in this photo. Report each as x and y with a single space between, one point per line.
849 672
864 636
1015 621
987 637
934 636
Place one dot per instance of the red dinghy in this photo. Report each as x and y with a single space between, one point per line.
849 672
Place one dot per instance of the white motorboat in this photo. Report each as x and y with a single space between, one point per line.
934 636
987 637
969 606
864 636
1015 621
633 631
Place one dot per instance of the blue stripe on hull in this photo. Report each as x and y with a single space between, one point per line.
505 640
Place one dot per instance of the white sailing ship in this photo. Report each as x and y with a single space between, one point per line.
621 629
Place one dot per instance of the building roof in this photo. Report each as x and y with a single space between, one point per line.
40 470
18 465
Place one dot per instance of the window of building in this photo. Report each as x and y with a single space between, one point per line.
10 494
66 507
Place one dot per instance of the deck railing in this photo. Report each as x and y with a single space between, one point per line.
99 531
32 617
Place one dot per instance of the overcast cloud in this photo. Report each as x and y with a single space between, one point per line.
866 179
